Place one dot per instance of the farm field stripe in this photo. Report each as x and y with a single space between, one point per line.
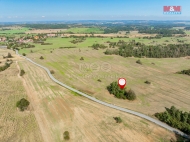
110 105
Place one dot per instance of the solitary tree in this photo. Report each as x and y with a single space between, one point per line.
41 57
22 104
9 55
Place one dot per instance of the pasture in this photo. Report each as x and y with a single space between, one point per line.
14 30
166 89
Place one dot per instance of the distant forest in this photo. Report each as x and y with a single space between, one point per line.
47 26
157 28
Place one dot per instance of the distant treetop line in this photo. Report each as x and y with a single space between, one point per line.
149 27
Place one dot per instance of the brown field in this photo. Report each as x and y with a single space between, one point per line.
166 89
15 126
60 110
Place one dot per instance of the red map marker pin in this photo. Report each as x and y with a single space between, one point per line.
121 83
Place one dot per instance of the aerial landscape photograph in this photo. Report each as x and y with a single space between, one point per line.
94 71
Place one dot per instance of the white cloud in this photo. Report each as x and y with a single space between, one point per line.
43 16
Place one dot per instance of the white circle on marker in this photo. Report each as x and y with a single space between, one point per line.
122 81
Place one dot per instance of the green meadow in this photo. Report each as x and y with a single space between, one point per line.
14 31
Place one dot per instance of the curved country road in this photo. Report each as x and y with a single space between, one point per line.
110 105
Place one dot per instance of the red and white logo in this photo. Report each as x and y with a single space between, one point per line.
172 9
121 83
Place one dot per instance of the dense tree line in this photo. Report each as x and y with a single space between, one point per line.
175 118
97 46
187 72
114 89
138 49
15 45
163 31
78 40
47 26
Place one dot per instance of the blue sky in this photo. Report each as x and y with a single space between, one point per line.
43 10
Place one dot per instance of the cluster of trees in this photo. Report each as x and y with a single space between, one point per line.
15 45
114 89
22 104
175 118
78 40
98 46
7 65
137 49
165 32
187 72
116 29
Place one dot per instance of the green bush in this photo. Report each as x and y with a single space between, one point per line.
114 89
139 62
131 95
41 57
118 119
22 72
52 72
22 104
187 72
99 80
23 54
147 82
66 135
81 58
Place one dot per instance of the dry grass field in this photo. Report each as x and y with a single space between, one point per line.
166 89
61 110
15 126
